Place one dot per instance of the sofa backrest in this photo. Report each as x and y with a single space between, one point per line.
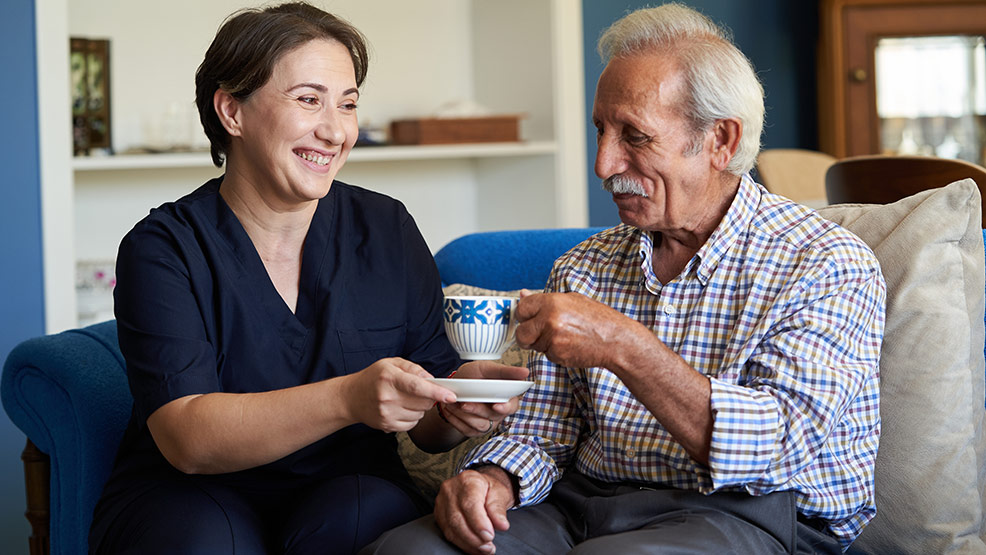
507 260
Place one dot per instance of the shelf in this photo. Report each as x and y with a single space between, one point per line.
359 154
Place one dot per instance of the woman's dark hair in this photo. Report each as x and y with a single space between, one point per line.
248 45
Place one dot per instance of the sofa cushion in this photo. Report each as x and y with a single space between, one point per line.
929 469
429 470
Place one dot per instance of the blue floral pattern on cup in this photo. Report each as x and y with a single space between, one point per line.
469 311
480 328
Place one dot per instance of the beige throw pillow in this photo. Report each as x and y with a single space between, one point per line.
930 466
429 470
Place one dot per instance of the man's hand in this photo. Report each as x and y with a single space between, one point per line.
572 329
471 506
475 419
392 394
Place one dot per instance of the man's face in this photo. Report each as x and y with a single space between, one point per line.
645 146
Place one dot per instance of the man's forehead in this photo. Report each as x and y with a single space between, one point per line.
640 80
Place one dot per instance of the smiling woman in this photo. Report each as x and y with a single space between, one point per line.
287 141
278 325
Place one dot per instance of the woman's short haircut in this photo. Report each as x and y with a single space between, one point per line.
249 44
719 80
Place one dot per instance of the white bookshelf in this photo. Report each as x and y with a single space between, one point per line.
359 155
512 56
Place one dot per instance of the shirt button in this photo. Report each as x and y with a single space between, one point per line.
669 309
630 453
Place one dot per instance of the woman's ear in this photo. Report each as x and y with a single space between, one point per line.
228 110
726 135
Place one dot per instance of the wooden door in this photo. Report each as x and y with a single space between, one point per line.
849 32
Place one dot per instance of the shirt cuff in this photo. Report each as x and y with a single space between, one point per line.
535 471
746 433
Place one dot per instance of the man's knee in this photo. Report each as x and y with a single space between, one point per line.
422 533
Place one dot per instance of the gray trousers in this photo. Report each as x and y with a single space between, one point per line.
586 516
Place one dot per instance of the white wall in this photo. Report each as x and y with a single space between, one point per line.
150 83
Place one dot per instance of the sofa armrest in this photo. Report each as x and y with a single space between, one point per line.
68 393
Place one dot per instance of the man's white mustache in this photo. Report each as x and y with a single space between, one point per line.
622 185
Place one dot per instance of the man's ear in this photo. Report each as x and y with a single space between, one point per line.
228 110
726 135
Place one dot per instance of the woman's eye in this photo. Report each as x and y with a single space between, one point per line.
310 100
350 106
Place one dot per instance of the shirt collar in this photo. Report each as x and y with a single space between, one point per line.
737 219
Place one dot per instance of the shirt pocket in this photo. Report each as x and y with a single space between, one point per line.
363 347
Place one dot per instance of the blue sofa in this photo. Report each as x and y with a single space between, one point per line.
69 395
68 392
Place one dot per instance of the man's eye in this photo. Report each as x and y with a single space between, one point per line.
637 140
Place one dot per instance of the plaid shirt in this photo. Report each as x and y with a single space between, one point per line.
781 309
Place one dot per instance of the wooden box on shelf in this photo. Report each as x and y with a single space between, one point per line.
433 131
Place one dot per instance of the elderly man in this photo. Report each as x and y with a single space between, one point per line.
707 371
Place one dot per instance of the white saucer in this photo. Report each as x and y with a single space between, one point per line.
484 391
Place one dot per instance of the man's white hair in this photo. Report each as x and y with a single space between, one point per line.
719 80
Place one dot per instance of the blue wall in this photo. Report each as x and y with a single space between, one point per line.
21 288
778 36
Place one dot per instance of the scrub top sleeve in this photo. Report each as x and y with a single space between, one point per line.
426 343
160 323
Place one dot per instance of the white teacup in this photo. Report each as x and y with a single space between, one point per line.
480 327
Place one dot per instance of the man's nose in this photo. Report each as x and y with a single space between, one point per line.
610 157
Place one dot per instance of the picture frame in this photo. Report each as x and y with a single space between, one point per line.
89 62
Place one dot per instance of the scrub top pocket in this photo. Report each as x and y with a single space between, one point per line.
361 348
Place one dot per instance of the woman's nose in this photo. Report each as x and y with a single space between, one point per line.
330 128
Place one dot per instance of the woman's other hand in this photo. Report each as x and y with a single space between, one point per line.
393 394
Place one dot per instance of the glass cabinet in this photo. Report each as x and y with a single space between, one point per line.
903 77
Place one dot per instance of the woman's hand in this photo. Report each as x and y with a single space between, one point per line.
393 394
476 419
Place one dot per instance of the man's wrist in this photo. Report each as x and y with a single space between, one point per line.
501 476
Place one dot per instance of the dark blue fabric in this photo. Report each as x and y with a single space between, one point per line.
197 313
507 260
338 516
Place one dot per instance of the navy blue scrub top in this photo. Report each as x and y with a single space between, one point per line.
197 313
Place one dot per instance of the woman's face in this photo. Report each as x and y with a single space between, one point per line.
295 132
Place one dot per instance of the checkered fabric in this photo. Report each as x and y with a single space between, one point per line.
781 309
